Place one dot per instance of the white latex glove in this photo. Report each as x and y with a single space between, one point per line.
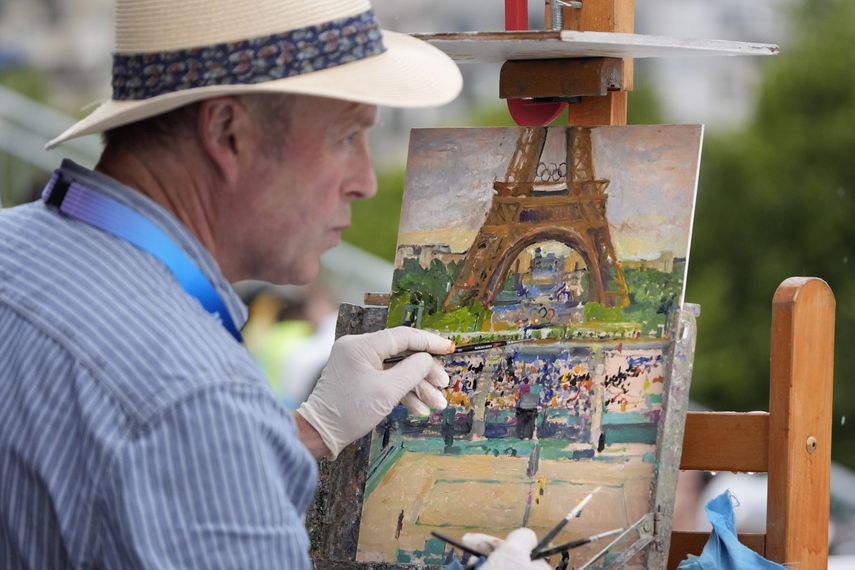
354 392
513 553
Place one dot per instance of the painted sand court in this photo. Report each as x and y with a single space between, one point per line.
455 494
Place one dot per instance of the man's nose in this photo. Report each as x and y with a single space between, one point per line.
363 182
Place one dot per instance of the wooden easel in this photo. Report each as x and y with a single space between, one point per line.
792 442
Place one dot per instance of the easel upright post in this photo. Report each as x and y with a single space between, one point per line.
601 16
800 428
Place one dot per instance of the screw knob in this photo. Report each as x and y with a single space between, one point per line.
811 444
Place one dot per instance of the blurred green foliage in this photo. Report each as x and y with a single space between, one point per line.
775 200
26 81
18 177
375 221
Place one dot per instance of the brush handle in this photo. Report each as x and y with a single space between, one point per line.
549 536
562 548
573 544
577 510
456 544
474 347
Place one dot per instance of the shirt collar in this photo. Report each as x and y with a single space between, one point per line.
178 232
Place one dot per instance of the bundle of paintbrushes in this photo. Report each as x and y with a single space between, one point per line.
542 549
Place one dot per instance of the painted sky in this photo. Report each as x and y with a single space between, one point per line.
651 171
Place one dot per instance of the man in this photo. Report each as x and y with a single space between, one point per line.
135 432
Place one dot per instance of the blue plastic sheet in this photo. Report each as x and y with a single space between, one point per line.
723 550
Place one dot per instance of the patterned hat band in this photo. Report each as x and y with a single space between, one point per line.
313 48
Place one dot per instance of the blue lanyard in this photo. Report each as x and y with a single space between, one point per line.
78 202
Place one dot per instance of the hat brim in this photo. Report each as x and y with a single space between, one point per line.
410 73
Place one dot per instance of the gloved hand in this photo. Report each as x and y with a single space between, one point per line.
354 393
513 553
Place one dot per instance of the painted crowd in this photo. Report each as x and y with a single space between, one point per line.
579 394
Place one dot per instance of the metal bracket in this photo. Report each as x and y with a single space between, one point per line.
645 529
557 16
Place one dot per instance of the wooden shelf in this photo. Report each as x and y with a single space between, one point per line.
497 47
746 447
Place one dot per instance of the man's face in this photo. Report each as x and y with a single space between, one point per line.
297 199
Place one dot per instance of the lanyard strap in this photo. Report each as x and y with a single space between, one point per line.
78 202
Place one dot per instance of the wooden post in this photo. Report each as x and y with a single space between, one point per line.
792 442
601 16
800 423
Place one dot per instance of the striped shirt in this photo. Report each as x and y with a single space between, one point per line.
134 431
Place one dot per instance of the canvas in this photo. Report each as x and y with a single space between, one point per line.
571 245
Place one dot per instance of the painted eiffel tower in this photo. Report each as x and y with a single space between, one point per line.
536 203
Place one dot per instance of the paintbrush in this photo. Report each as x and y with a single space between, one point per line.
474 347
573 544
459 545
575 512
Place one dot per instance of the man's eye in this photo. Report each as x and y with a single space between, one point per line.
351 138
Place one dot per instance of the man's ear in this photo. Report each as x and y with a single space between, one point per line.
223 127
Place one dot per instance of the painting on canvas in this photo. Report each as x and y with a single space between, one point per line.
571 244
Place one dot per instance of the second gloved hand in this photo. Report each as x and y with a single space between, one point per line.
354 392
513 553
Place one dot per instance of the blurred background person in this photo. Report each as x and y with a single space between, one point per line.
290 332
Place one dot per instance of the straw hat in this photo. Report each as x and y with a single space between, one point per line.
173 52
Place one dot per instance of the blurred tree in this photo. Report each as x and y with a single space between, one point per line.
643 106
26 81
775 200
374 225
17 178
